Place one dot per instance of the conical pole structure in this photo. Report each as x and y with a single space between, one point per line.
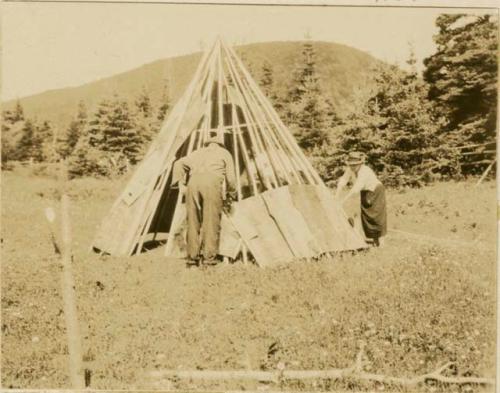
272 158
171 126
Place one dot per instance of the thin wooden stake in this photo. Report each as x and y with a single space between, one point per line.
235 153
68 291
486 173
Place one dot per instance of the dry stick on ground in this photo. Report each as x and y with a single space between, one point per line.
355 372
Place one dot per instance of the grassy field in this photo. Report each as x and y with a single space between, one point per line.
415 304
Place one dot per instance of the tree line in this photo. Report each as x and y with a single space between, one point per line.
413 128
104 143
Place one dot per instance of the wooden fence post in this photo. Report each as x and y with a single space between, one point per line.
68 289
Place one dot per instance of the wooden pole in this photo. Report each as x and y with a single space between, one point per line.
354 372
266 133
275 120
246 158
219 91
152 203
287 165
253 124
255 146
235 153
168 131
261 137
68 289
485 173
176 218
236 130
309 170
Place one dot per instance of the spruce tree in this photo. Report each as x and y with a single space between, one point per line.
48 146
397 130
17 114
12 131
29 146
143 104
463 79
268 86
310 113
110 142
88 156
266 81
120 134
145 121
67 142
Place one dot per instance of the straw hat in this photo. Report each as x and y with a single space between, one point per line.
355 158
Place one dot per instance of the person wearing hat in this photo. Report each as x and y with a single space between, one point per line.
372 192
201 176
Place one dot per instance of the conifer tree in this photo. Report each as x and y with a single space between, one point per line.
29 146
110 142
144 119
268 86
67 142
8 152
16 115
120 134
45 133
267 79
12 131
309 112
143 104
397 129
463 76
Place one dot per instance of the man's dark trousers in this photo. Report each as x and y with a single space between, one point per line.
204 210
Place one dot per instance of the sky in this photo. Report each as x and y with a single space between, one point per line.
53 45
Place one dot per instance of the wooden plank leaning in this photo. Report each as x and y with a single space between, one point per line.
291 223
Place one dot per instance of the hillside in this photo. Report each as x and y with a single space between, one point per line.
343 70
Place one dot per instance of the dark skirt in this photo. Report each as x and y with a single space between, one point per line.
374 213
